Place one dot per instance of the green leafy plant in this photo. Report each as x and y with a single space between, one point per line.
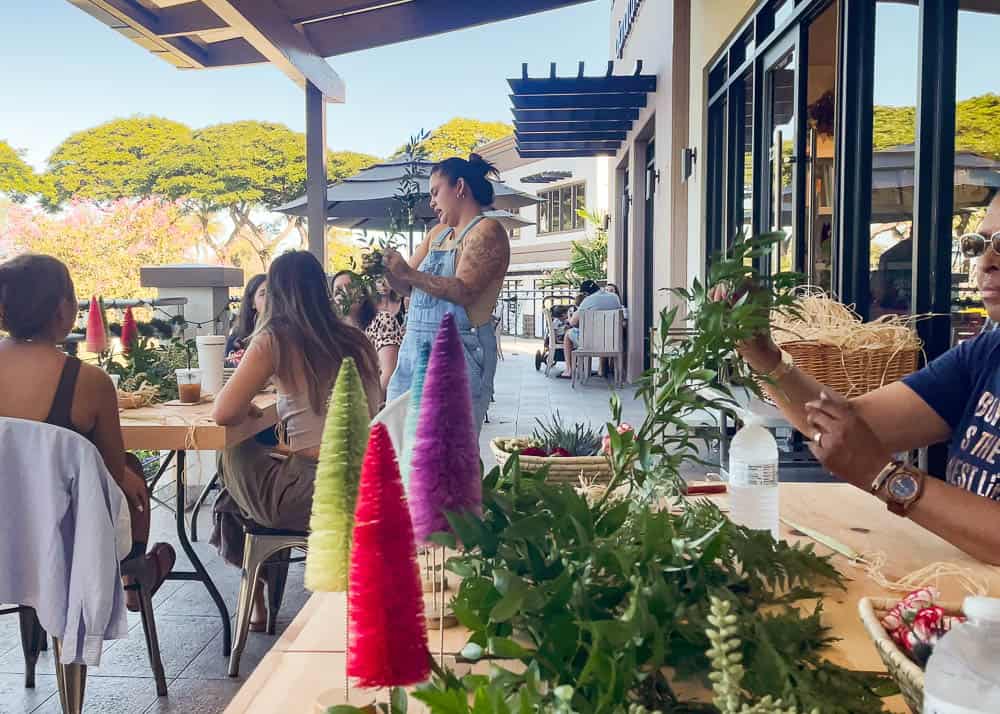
602 602
556 437
154 360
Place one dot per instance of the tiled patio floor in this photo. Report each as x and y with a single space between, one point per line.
190 631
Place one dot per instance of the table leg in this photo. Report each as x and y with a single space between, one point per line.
199 573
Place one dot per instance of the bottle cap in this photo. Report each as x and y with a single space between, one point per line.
982 608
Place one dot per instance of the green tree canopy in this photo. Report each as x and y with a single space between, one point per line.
460 137
117 159
977 126
18 180
343 164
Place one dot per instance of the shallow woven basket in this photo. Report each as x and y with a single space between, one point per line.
904 670
852 372
131 400
562 469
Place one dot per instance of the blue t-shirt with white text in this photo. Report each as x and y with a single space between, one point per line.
963 387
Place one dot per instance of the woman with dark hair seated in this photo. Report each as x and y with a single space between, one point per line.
39 382
458 269
300 345
954 399
251 308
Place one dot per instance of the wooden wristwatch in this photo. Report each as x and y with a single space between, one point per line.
903 485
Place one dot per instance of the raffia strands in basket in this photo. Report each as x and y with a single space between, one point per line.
829 342
565 469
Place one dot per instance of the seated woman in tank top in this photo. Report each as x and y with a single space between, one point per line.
39 382
299 343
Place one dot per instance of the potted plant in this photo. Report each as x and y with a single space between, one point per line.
567 452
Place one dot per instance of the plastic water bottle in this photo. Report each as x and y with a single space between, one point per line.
753 477
963 672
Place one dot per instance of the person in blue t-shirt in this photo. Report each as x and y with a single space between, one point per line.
954 399
594 299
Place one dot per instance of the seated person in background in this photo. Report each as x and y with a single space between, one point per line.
386 332
251 308
380 326
39 382
560 321
954 399
300 344
594 299
613 289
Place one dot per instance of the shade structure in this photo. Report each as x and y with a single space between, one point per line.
576 116
366 199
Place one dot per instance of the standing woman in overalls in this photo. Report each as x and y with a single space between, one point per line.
459 268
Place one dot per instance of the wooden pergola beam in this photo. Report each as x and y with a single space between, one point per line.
266 27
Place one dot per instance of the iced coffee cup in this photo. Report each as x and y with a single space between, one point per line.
189 385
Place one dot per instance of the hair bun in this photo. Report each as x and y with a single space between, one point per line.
481 166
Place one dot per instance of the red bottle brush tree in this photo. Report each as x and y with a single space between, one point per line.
388 635
130 331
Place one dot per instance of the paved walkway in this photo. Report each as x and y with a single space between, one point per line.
190 632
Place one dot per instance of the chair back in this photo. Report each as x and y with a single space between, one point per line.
601 331
393 416
66 527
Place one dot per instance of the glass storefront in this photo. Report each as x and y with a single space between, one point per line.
778 157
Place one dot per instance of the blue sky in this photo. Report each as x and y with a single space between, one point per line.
62 71
896 48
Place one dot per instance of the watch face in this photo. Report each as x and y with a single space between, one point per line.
903 487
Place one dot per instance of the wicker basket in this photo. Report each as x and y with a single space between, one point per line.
131 400
904 670
852 372
562 469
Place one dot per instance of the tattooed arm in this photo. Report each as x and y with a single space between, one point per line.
484 260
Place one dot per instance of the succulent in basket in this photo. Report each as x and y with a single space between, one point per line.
556 438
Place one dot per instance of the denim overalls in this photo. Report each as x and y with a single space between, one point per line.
424 318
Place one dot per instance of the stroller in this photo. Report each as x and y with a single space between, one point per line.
554 307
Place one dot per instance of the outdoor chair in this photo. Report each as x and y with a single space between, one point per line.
270 549
601 337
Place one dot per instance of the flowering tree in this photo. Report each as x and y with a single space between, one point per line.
104 246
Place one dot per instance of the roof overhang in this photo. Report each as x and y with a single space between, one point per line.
294 35
576 116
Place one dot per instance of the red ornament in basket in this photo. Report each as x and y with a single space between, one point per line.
916 624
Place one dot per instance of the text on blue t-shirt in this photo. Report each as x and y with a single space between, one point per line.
963 387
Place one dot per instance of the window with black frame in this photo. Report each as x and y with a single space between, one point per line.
977 157
558 209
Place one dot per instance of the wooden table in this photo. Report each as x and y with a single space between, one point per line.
179 429
309 657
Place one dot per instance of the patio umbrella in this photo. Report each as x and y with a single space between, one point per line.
366 199
977 178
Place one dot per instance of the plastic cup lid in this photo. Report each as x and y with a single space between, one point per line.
982 608
210 339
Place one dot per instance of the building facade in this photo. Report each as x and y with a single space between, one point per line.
543 243
867 131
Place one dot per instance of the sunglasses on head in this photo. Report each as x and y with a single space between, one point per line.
975 244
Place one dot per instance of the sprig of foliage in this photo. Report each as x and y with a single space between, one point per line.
588 259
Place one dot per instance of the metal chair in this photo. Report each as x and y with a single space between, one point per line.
601 337
260 546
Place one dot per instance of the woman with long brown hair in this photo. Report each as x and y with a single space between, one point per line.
299 344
